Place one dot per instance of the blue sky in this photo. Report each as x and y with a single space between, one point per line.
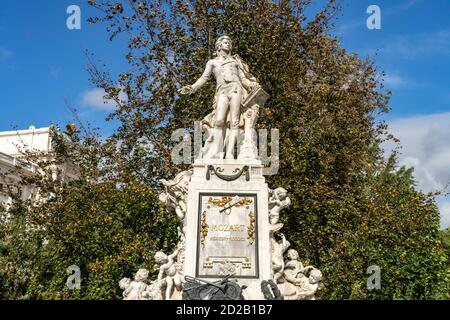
42 64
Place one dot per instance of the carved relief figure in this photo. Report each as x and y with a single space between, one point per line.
228 268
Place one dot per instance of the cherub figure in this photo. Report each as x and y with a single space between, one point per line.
154 290
277 262
168 272
278 200
137 289
175 195
295 284
310 287
124 284
293 267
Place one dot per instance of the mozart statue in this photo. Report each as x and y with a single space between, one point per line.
234 84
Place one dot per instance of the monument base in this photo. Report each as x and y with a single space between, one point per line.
227 224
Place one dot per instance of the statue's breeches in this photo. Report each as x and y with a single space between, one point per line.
228 95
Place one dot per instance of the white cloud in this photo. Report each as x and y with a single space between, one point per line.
395 80
412 46
406 5
94 99
425 142
347 26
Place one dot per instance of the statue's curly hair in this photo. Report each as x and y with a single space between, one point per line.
219 42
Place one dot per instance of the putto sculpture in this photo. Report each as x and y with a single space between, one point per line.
168 273
278 200
175 194
135 289
299 282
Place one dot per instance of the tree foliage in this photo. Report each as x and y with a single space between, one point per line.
350 208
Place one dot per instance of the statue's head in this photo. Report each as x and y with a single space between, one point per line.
224 42
292 254
281 193
124 283
141 275
315 276
160 257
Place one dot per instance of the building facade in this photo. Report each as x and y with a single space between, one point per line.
12 146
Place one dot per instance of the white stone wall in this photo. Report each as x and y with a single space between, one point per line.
31 139
11 145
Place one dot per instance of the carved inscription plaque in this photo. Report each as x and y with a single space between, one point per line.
227 235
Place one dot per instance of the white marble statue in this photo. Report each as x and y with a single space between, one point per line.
234 82
278 248
135 289
169 272
175 195
248 148
278 200
309 288
295 284
250 211
155 290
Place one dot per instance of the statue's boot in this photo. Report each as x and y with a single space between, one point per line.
232 139
216 145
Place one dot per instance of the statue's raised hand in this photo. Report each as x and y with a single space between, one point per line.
186 90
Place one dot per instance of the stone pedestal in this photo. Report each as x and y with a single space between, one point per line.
227 223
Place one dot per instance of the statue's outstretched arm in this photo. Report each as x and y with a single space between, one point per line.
190 89
204 77
173 255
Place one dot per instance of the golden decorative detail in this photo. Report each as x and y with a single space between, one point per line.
251 228
228 202
246 265
207 264
219 202
204 229
243 202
